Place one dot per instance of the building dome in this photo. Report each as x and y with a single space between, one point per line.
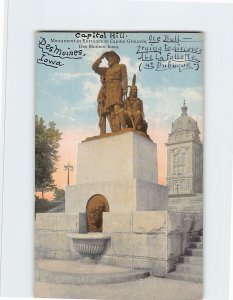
184 122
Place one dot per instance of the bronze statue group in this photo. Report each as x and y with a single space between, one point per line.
122 111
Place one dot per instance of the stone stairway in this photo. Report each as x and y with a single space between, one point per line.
190 266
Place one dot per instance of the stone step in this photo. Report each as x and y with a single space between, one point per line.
191 259
80 273
198 245
190 266
198 238
194 252
185 277
192 269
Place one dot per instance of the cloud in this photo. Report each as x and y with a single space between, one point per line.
64 117
162 105
86 96
91 89
58 115
195 94
131 68
69 76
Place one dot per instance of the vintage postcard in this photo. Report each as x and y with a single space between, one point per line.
119 165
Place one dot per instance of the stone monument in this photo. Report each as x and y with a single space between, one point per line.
116 209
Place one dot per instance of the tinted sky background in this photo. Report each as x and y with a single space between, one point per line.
67 95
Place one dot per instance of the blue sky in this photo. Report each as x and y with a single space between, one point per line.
67 94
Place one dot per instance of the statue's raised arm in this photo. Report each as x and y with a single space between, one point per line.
96 68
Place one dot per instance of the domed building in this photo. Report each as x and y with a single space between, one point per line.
184 158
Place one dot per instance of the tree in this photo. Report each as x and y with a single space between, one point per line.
59 194
47 140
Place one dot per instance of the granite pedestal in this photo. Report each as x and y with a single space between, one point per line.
122 168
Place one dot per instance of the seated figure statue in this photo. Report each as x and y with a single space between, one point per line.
134 115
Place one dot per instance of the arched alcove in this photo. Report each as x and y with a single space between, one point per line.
96 205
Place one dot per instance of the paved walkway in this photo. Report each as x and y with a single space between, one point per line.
151 288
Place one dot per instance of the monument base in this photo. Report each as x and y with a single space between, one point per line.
122 196
142 239
149 239
122 168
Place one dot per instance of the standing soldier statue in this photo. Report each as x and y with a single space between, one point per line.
112 93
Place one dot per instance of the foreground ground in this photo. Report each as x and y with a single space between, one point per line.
151 288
